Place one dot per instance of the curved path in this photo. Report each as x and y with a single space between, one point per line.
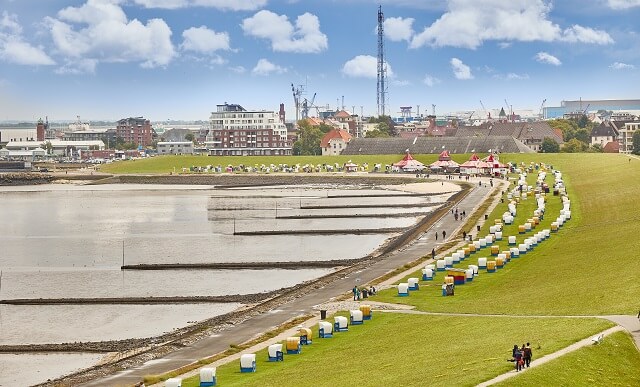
256 325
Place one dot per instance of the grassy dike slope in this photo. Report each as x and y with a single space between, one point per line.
589 268
614 362
411 350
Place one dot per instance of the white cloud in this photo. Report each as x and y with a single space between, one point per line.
264 67
399 83
623 4
579 34
230 5
397 29
469 23
430 80
10 24
100 31
78 66
20 52
547 58
304 37
238 69
203 40
13 47
364 66
512 76
460 70
504 45
622 66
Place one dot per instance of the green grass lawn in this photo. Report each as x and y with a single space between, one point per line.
166 164
412 350
614 362
585 269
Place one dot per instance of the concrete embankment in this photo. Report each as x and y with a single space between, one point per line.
24 178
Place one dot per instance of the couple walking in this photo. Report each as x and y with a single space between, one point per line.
522 356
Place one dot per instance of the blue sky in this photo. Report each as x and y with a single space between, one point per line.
177 59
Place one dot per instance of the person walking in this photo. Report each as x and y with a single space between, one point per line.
444 235
433 253
518 357
436 236
527 355
464 235
355 293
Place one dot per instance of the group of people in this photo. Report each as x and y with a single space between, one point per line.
362 293
521 356
458 214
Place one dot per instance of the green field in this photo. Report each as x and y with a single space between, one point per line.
614 362
585 269
412 350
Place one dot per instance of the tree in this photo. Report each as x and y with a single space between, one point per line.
574 146
583 135
596 148
376 134
309 138
190 137
324 128
568 127
549 145
47 147
636 142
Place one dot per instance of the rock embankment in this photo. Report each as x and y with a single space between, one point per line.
24 178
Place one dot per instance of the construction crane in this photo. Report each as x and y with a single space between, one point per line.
297 93
510 109
306 105
486 113
541 113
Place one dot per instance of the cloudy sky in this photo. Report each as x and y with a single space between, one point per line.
177 59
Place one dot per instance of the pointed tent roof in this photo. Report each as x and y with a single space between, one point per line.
502 113
473 162
444 156
409 163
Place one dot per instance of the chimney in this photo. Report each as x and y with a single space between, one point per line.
282 114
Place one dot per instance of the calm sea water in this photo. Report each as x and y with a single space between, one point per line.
63 241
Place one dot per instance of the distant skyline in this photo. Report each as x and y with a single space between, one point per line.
178 59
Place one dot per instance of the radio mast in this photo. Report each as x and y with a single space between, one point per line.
382 67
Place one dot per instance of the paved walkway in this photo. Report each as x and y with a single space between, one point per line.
255 326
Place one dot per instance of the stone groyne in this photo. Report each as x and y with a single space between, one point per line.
24 178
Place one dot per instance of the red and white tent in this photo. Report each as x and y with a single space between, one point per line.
408 164
494 165
444 163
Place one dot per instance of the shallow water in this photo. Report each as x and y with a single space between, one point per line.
37 368
62 241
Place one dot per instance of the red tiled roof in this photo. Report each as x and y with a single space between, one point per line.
333 134
342 114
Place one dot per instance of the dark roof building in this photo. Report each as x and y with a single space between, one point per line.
435 145
529 133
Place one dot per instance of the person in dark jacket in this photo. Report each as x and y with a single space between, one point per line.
527 355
